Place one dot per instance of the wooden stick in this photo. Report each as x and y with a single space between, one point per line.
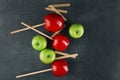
60 10
36 30
54 34
61 5
66 56
33 73
24 29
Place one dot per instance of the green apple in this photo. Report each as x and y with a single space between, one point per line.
39 42
47 56
76 30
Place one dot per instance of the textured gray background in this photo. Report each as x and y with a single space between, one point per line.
99 48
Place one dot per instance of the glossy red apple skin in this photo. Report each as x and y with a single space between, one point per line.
60 68
60 42
53 22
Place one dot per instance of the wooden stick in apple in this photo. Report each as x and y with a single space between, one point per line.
59 68
54 34
53 22
51 8
61 5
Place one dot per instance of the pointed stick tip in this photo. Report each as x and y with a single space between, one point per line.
75 55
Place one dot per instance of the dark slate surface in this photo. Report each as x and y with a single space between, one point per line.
99 48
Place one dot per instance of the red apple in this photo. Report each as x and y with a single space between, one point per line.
53 22
60 68
60 42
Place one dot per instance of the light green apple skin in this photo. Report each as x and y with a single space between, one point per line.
39 42
76 30
47 56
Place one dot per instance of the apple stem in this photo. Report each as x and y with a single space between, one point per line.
54 34
67 56
61 5
52 7
24 29
60 10
33 73
36 30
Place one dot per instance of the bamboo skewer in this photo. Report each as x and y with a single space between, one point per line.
61 5
24 29
36 30
67 56
33 73
64 54
60 10
54 34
